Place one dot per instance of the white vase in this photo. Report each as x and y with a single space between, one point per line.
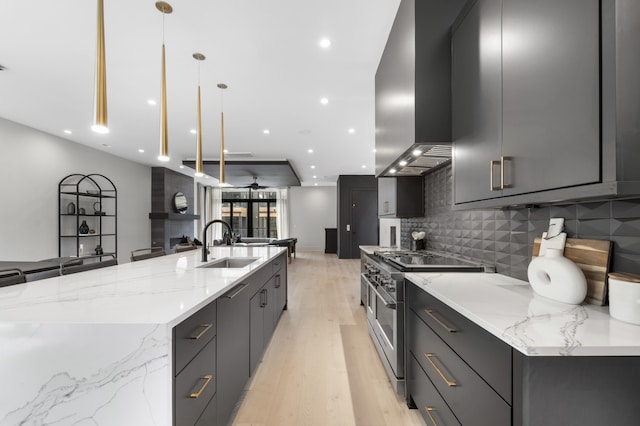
555 277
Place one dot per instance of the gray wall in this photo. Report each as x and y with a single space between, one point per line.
311 210
505 237
31 165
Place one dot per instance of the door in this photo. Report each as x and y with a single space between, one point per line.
364 220
477 103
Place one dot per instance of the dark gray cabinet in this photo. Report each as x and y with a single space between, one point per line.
477 101
233 348
401 197
542 98
194 366
459 372
242 333
526 97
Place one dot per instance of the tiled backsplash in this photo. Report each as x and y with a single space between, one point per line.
505 237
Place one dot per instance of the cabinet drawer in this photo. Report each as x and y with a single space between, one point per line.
195 386
276 265
486 354
192 334
210 413
431 405
470 398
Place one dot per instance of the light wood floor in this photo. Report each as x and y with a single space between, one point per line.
321 367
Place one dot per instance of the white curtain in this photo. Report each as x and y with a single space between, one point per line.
282 213
213 211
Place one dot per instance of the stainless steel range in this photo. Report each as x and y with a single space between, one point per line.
383 290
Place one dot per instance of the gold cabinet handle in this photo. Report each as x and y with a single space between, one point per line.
433 364
200 331
504 185
431 313
207 379
429 410
492 164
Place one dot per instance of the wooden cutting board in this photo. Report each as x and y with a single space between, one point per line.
593 257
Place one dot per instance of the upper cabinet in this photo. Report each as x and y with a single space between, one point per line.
542 98
401 197
413 84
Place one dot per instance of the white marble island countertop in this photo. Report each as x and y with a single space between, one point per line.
536 326
162 290
95 348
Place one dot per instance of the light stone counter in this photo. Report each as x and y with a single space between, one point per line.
95 348
508 308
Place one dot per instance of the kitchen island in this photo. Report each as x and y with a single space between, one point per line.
97 347
483 349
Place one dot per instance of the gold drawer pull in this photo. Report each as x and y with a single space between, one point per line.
504 185
202 328
429 410
432 314
448 382
206 379
492 164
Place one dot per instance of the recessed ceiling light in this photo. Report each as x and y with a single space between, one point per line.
417 152
181 166
315 177
152 102
310 151
374 150
67 131
315 184
324 101
313 167
193 131
352 131
141 150
226 151
266 131
325 43
364 166
392 171
403 163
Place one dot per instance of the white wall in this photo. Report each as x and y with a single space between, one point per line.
311 209
32 163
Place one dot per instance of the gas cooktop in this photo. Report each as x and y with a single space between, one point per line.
427 261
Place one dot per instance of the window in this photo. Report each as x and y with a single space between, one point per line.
251 213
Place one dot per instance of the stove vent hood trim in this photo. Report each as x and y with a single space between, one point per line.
433 156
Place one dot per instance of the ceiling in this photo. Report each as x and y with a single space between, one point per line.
267 52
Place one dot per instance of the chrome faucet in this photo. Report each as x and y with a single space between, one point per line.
205 250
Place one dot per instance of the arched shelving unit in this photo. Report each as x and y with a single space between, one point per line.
95 201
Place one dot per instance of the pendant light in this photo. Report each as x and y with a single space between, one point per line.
199 172
100 121
222 87
165 8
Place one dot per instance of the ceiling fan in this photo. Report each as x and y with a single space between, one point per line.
255 185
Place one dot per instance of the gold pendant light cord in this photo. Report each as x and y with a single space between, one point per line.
100 122
164 128
199 166
222 87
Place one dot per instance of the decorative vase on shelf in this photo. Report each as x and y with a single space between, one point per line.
84 228
71 208
555 277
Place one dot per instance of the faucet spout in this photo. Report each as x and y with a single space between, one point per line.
205 251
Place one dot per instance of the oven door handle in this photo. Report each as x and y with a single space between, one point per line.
385 298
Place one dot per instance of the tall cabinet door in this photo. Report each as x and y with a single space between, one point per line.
477 103
551 94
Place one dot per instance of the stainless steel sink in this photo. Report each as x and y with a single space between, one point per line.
230 262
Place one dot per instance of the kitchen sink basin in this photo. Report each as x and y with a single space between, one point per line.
230 262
